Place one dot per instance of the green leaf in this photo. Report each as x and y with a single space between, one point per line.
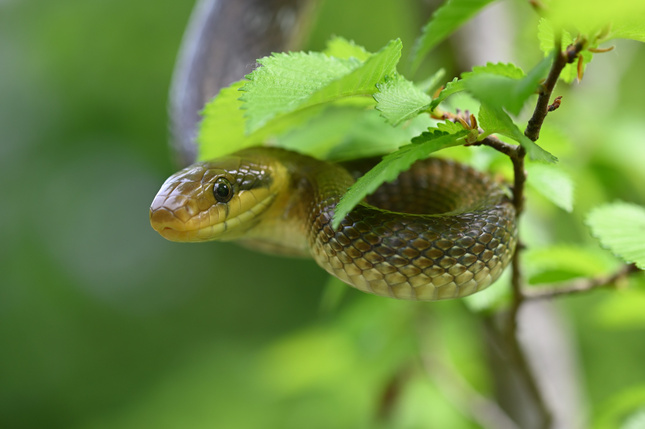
347 132
445 20
499 69
393 164
628 30
498 84
624 18
546 37
372 136
495 120
222 131
340 47
287 83
450 127
552 264
454 86
620 227
399 100
505 85
552 183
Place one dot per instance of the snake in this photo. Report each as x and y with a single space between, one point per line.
440 230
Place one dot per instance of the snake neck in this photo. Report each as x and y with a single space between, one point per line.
311 190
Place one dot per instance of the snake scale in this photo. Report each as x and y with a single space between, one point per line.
441 230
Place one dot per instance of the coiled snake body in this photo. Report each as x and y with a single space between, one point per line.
441 230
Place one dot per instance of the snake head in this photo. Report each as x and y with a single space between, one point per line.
216 200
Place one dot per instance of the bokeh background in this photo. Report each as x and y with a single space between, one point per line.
103 324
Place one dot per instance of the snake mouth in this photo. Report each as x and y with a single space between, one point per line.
218 222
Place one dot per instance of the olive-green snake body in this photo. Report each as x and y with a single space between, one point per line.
441 230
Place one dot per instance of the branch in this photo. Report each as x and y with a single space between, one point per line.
562 58
517 155
582 285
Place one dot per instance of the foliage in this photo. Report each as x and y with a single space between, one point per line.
105 325
621 228
322 103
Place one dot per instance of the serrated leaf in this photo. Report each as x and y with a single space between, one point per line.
628 30
450 127
393 164
620 227
454 86
222 129
445 20
495 120
552 183
399 99
499 69
497 84
546 37
286 83
344 132
505 85
340 47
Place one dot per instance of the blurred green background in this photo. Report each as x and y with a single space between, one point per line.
103 324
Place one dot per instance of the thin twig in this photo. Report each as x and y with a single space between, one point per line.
562 58
581 285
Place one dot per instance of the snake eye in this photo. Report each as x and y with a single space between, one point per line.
222 190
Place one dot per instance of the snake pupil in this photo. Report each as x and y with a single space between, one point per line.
222 190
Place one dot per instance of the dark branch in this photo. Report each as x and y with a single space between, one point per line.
562 58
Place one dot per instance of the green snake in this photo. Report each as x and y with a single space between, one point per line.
441 230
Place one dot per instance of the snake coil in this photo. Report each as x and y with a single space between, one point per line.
441 230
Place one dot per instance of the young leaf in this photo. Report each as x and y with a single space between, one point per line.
347 132
399 100
445 20
454 86
499 69
222 130
287 83
495 120
505 85
620 227
393 164
590 17
497 84
552 183
546 36
340 47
